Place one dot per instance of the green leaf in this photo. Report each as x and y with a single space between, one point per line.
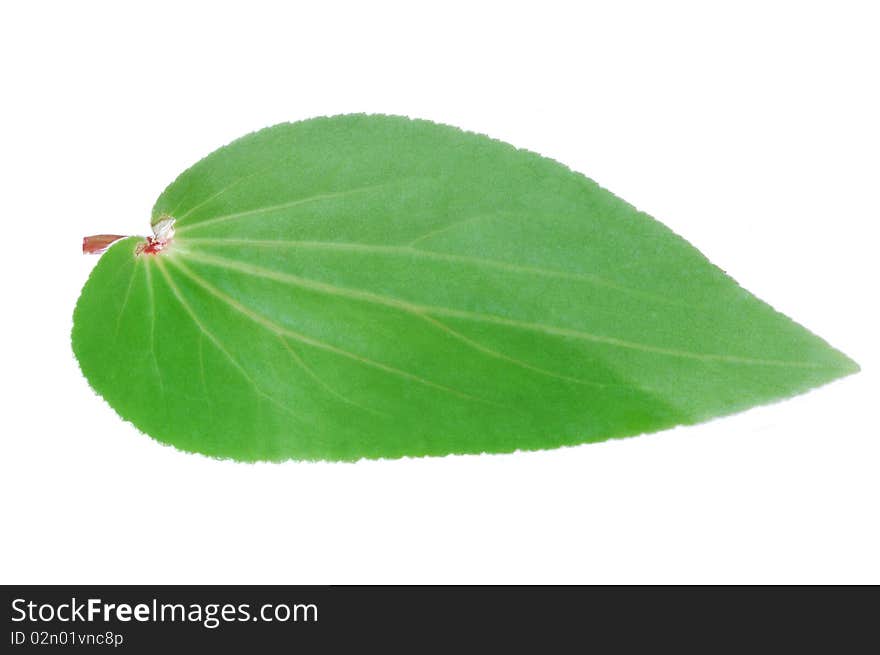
374 286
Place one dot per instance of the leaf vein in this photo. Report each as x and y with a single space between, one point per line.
317 343
451 226
404 305
271 208
219 193
219 344
439 256
152 302
500 355
125 300
312 374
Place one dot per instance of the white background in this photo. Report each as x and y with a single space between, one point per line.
751 129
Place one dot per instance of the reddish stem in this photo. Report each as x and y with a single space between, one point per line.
98 243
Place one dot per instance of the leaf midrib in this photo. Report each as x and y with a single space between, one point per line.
433 310
434 255
280 330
